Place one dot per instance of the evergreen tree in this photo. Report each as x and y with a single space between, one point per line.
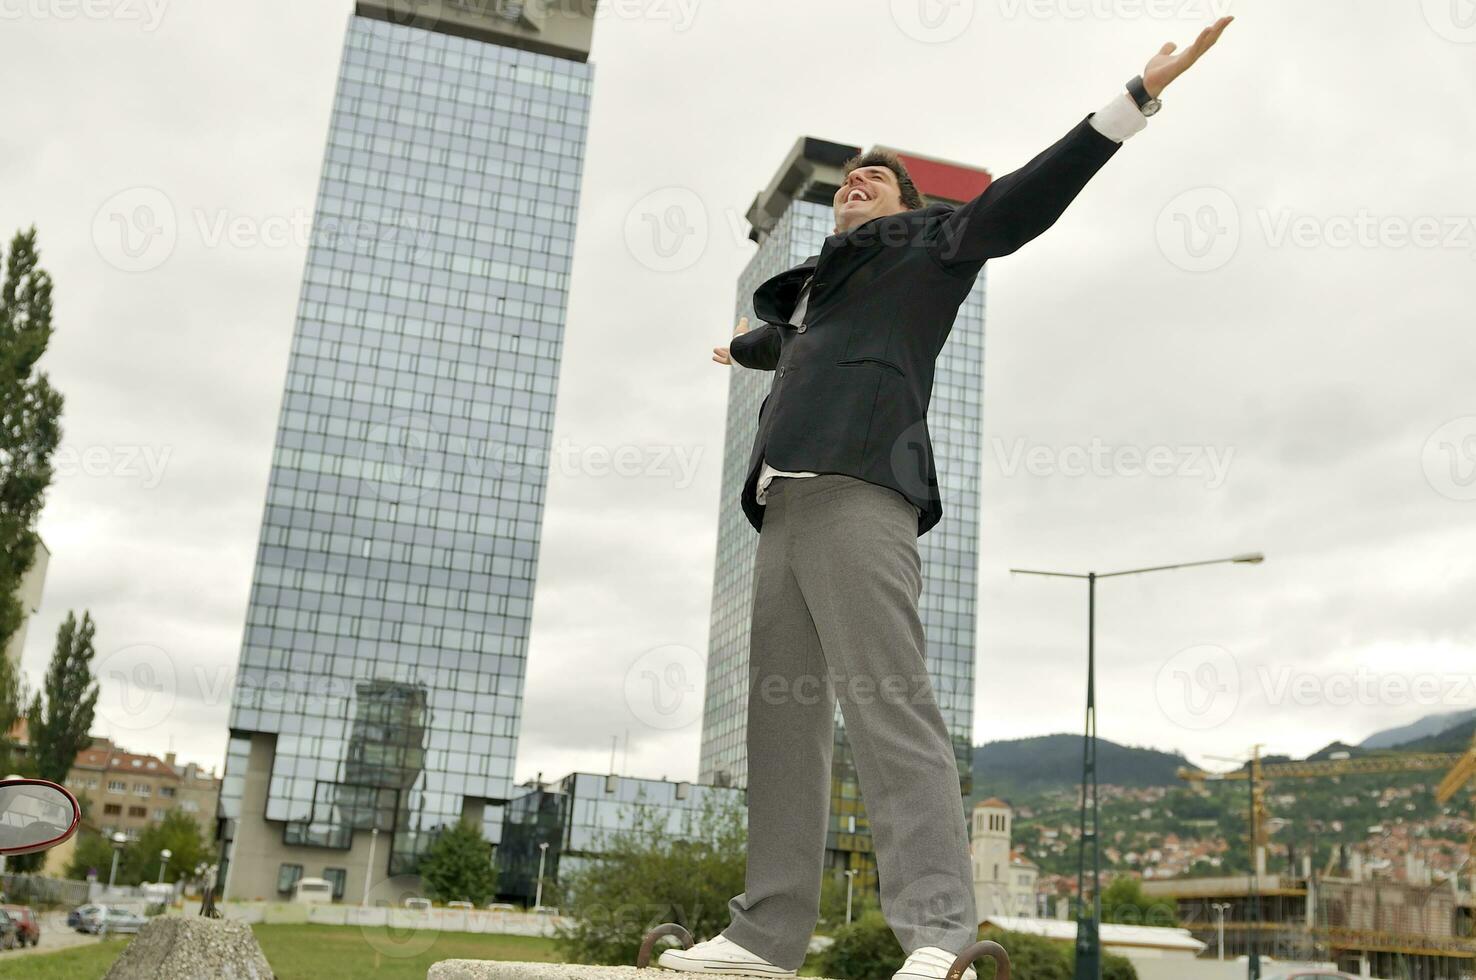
59 725
30 413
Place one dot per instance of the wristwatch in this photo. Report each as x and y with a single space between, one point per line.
1147 104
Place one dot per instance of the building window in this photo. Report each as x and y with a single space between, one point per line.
138 811
142 789
288 876
189 806
117 786
339 878
112 810
167 791
158 813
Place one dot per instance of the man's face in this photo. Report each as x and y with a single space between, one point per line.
868 192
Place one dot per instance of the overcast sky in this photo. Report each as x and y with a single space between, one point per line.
1253 331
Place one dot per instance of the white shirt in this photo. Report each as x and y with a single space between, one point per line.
1117 120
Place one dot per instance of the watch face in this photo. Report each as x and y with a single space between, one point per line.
1152 107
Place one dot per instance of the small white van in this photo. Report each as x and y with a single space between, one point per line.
313 891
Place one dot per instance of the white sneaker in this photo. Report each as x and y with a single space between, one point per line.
720 955
930 963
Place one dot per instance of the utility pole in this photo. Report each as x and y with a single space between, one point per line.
1088 930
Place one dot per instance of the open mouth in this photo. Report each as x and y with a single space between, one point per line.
857 194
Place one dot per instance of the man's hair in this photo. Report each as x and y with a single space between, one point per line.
911 199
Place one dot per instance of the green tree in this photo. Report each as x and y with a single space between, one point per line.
92 853
1124 902
12 702
59 726
458 866
833 902
648 872
30 414
179 833
864 950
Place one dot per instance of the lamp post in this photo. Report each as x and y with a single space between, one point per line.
850 880
369 868
538 896
1220 909
118 841
1088 931
164 857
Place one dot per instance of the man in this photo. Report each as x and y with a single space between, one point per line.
840 485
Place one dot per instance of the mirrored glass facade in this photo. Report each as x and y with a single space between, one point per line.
575 815
949 552
386 638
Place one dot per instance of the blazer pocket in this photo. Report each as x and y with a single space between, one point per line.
857 361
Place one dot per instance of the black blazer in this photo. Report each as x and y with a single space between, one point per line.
852 383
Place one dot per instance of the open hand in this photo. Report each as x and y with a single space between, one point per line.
1166 66
720 354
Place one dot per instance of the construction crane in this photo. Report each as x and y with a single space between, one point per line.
1459 769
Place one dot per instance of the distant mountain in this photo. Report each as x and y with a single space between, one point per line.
1456 739
1426 727
1031 765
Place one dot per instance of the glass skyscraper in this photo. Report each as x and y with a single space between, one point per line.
380 684
790 221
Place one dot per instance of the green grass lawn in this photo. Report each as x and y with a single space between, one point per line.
311 953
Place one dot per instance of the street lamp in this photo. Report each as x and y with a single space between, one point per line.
850 879
1088 932
538 896
164 857
369 868
119 841
1220 909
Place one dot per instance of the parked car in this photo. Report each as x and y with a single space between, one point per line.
114 920
75 917
9 932
419 904
464 906
28 927
501 907
313 891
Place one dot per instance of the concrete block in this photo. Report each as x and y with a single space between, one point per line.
180 947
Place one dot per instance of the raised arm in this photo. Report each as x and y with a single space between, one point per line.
1021 205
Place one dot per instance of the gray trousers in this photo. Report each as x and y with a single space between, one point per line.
835 619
